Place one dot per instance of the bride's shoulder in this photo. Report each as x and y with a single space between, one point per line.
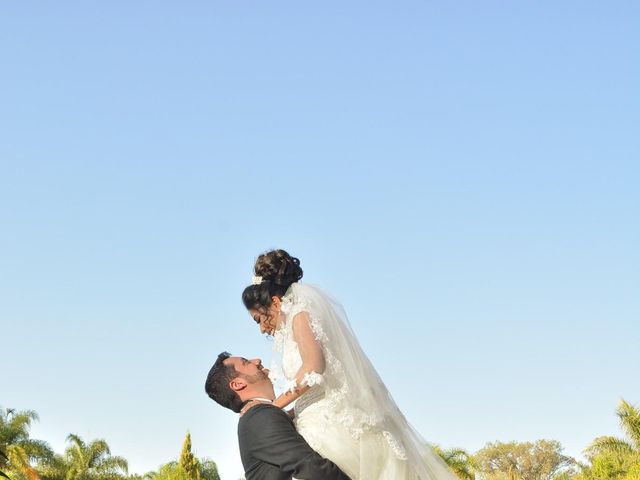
299 297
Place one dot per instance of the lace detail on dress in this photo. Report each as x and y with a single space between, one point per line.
274 373
290 386
397 448
310 397
286 302
311 379
278 339
316 326
332 385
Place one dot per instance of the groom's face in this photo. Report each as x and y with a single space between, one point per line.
251 371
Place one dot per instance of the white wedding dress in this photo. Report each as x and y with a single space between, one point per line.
347 415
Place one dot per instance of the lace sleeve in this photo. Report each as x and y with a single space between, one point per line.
311 352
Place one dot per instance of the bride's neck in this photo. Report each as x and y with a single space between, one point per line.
281 319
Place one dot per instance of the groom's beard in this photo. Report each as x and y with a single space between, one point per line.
261 376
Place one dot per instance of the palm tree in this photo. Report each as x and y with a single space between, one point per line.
85 461
458 460
612 457
4 458
18 450
629 416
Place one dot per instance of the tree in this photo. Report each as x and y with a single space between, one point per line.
19 451
188 462
173 471
4 458
208 469
458 460
189 467
542 460
629 416
85 461
612 458
20 463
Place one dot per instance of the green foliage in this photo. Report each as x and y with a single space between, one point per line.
188 462
612 458
14 432
19 451
634 472
4 457
608 466
208 469
173 471
168 471
136 476
189 467
458 460
24 458
566 475
609 458
85 461
541 460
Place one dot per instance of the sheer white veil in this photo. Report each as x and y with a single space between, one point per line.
354 387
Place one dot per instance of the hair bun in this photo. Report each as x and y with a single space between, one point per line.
278 267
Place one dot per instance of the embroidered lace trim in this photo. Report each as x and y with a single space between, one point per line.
355 420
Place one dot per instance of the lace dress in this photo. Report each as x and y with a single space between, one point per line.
347 415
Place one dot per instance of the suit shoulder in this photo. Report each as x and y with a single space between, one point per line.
262 411
260 414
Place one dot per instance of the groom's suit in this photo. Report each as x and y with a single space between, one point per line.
272 449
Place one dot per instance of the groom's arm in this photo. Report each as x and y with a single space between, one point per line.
271 437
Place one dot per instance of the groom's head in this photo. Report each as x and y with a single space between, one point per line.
234 380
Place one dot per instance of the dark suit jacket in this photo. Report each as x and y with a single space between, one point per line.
272 449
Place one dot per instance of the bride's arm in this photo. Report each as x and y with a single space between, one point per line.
313 362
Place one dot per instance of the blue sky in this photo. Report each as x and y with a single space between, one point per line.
462 175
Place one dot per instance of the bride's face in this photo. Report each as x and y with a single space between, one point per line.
268 318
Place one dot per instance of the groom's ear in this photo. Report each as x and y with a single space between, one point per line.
238 384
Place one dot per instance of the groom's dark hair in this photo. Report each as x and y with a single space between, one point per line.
217 384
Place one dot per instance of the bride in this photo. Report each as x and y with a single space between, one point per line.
342 407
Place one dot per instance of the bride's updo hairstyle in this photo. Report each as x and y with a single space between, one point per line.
278 270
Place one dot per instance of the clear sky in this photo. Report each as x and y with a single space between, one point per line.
462 175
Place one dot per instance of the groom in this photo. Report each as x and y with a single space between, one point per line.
270 446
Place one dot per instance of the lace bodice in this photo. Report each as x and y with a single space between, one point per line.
285 346
332 383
